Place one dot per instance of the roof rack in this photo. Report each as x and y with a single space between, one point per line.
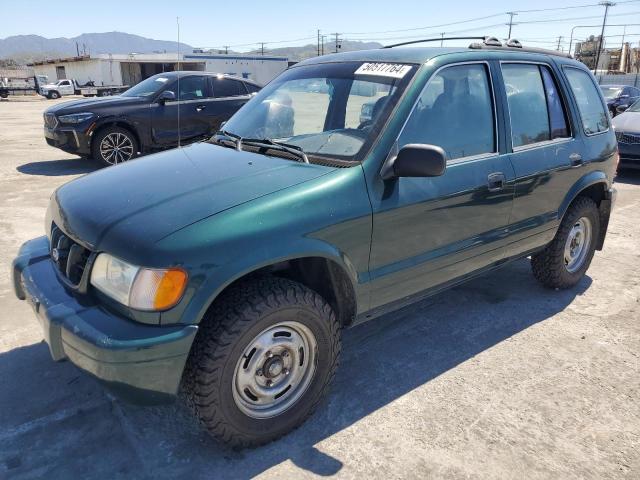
513 44
490 43
491 40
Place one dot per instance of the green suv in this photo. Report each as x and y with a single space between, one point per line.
228 269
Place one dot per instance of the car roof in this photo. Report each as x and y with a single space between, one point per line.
420 55
184 73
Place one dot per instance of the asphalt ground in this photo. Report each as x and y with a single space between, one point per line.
498 378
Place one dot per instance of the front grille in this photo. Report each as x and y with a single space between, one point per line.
628 137
69 257
50 120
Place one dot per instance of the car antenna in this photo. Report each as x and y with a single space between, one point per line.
178 25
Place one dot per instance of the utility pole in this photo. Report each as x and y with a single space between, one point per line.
337 36
442 38
511 14
322 37
318 42
606 5
262 48
226 49
559 40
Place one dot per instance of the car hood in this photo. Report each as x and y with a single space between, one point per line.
128 207
627 122
92 104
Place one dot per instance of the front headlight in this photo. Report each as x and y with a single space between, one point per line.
137 287
75 117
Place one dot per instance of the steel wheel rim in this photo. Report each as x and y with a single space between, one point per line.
275 370
116 148
577 245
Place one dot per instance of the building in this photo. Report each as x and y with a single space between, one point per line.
129 69
623 59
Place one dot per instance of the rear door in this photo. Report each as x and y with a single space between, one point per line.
429 231
546 156
228 96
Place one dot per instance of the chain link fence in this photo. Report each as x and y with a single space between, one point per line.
632 79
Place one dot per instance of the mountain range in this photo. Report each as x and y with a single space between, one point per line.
25 48
29 48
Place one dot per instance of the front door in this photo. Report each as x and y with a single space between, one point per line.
184 119
430 231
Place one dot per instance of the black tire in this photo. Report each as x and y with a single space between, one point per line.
118 132
53 95
549 266
228 330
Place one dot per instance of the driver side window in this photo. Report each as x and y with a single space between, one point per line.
455 112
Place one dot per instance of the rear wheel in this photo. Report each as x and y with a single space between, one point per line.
563 263
263 359
114 145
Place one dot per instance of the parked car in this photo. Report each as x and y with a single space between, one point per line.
627 127
145 117
68 86
619 96
230 267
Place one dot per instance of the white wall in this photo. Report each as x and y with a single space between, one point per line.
102 72
261 70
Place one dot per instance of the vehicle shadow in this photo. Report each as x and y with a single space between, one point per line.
382 360
628 176
59 168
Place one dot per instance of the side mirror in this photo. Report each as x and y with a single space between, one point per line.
166 96
416 160
622 108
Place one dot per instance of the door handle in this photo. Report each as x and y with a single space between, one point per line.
576 160
199 108
495 181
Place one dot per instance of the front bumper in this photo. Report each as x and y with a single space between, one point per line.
629 154
68 139
141 363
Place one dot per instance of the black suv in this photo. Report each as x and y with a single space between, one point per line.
159 112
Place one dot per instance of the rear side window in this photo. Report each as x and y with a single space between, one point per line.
535 107
557 114
593 114
226 87
455 112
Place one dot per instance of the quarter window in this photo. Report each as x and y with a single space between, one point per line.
455 112
593 114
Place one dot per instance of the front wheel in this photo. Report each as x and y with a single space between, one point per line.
263 359
114 145
53 95
563 262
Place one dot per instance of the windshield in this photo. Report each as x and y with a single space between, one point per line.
148 87
329 110
635 107
611 92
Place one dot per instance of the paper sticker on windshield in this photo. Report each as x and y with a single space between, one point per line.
392 70
161 79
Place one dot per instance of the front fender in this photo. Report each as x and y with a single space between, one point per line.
213 286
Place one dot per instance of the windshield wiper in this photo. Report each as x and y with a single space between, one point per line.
237 139
266 143
281 146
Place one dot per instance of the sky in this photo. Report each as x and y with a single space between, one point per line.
290 23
